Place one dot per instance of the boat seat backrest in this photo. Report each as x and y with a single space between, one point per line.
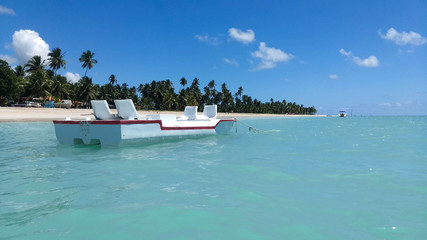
210 111
101 110
190 112
126 109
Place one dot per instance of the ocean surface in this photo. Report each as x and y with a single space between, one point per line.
304 178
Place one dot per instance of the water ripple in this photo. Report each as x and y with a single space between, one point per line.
323 178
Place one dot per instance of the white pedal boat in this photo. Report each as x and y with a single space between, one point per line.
128 126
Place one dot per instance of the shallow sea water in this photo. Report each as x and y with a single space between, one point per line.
310 178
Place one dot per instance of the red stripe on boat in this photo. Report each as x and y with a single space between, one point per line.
128 122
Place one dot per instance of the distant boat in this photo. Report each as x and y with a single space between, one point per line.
35 102
64 104
129 126
342 114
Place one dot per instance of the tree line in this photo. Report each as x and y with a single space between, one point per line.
40 79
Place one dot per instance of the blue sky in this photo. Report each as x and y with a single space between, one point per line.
369 56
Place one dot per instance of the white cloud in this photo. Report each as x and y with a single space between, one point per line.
207 39
333 76
232 62
270 56
403 38
244 37
28 43
343 52
9 59
6 11
371 61
72 77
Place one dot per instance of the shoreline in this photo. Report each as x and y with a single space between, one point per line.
22 114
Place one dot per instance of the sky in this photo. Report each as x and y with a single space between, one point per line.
365 57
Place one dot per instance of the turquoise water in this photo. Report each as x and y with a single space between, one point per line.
311 178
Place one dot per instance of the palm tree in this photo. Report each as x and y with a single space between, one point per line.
34 64
183 82
142 88
124 94
168 85
169 101
115 92
133 95
212 84
207 91
56 60
39 84
239 92
19 71
195 93
60 87
195 84
88 60
227 99
112 79
22 82
86 90
206 98
182 100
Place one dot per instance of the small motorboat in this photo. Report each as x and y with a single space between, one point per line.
31 102
342 114
64 104
128 126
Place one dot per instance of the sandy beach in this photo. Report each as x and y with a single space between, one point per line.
20 114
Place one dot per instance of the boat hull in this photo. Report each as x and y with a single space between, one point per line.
117 132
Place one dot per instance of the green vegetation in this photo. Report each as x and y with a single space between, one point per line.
34 80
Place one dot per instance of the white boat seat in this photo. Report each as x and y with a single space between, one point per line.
190 113
209 112
101 110
126 109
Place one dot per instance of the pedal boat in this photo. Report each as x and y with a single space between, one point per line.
128 126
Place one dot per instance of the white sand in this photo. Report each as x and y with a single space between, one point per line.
20 114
